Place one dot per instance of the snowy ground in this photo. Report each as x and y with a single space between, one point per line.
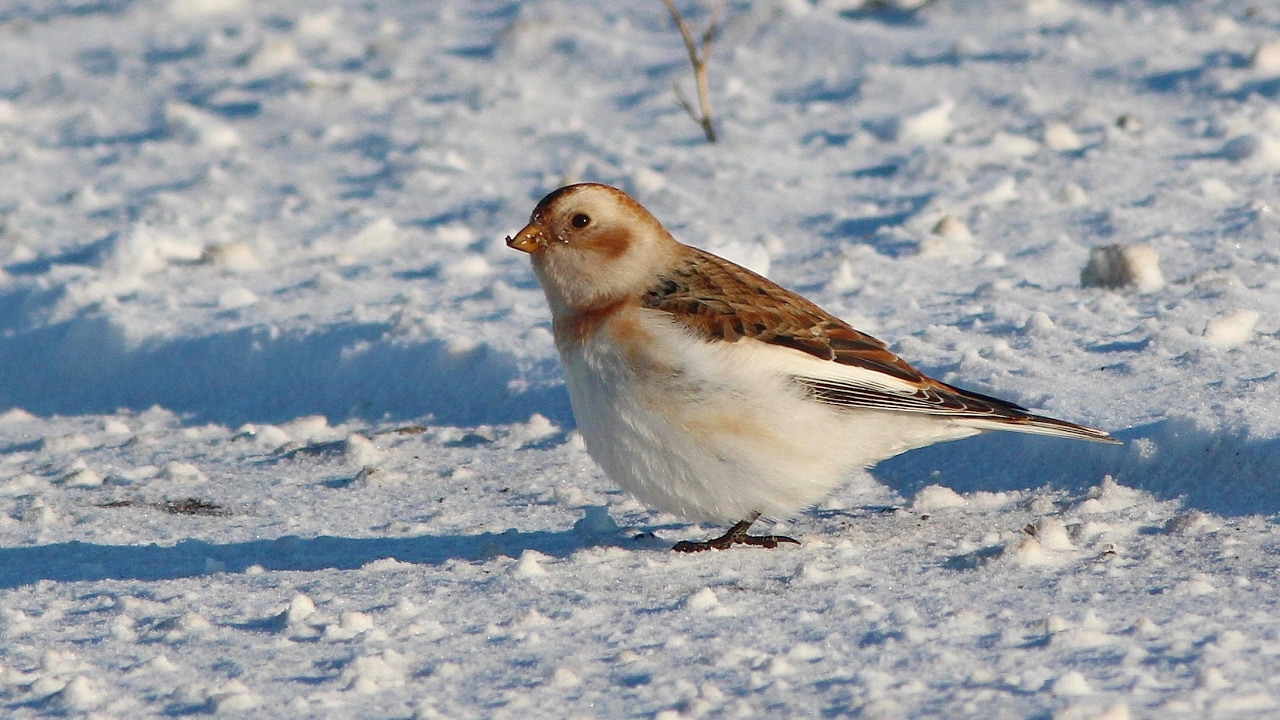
283 433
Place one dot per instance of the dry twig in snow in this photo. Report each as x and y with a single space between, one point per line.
698 58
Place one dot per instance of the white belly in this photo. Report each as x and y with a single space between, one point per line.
709 432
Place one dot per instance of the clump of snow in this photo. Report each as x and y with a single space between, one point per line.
645 181
379 236
1027 551
203 8
1109 496
1052 534
1038 324
928 126
750 254
529 565
1255 149
1231 329
182 472
953 228
1072 684
201 127
1120 266
78 694
80 475
236 298
703 600
1073 195
1266 57
936 497
595 521
1008 145
273 55
1060 137
1193 523
300 608
232 256
360 451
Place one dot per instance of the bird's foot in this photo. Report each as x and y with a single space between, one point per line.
737 535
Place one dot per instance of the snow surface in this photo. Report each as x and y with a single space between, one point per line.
283 432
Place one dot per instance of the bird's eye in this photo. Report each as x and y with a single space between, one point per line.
581 221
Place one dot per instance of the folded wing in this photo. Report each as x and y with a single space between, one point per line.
836 364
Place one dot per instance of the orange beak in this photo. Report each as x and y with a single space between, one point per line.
529 240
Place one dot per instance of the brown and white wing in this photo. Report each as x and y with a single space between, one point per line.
837 365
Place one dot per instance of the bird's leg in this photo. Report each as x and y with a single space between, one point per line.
737 535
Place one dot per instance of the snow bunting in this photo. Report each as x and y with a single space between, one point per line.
708 391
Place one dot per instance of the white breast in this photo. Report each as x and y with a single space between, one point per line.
716 431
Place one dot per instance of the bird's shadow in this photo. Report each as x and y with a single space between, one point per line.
80 561
1230 475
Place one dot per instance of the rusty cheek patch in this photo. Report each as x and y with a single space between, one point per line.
611 243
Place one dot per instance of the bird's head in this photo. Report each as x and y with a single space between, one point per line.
593 244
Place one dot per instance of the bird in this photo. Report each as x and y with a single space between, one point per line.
712 393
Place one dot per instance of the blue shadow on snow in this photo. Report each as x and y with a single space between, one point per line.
85 365
1172 459
78 561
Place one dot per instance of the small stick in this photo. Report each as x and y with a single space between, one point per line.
698 58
